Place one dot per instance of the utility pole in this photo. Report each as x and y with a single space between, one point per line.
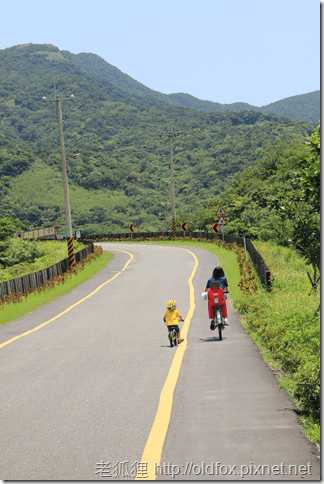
65 178
171 134
166 213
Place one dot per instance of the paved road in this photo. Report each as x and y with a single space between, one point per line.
83 390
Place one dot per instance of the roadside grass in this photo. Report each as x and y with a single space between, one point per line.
284 325
27 304
52 251
281 322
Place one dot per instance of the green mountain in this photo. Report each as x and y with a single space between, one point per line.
122 175
96 65
305 106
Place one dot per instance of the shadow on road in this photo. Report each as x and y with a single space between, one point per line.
209 340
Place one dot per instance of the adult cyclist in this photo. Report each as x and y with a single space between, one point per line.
219 276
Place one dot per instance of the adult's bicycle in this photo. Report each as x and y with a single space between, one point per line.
218 320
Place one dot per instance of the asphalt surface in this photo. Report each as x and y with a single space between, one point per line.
79 395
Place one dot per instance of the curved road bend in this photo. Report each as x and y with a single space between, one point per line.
79 395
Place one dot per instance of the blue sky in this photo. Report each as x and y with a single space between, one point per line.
224 51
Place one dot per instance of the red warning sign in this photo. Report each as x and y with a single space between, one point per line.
220 211
221 221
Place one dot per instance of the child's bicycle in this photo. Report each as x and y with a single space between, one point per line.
173 338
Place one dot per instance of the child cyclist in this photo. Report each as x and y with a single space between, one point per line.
171 317
219 276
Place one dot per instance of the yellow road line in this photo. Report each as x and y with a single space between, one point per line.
71 307
154 445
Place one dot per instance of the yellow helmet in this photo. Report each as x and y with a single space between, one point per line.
171 304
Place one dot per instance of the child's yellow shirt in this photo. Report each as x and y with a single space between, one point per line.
172 317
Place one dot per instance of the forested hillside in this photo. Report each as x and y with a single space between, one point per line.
305 106
122 174
278 199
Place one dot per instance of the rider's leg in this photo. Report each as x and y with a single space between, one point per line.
224 311
179 339
224 314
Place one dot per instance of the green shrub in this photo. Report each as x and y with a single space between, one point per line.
307 387
286 326
20 251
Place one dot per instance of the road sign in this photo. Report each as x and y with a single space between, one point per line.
215 228
184 227
221 221
222 228
220 211
131 227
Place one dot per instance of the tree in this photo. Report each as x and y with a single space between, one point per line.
309 177
8 226
307 230
302 205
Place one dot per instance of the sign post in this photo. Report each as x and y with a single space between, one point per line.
222 229
221 223
184 227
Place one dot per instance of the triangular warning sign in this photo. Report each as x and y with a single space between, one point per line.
220 211
221 221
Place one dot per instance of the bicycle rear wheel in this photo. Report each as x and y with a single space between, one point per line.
220 335
175 338
219 324
171 338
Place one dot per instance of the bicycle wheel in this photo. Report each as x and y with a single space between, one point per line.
171 338
175 338
219 324
220 332
213 322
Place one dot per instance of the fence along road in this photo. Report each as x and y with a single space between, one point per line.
30 282
80 395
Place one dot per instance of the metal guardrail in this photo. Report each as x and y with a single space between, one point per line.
47 232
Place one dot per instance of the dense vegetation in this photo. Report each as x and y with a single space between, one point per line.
27 256
122 174
285 323
278 199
